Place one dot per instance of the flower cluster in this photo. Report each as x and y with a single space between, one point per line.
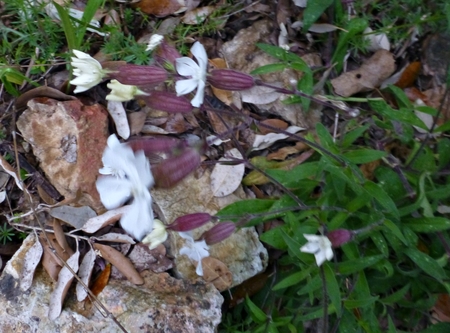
126 176
137 81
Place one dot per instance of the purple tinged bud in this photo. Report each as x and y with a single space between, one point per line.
151 145
137 75
169 102
166 53
228 79
172 170
339 237
189 222
219 232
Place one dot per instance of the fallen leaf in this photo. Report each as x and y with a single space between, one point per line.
75 216
30 261
225 179
369 76
159 8
198 15
101 281
136 121
65 278
122 263
61 237
155 260
259 95
276 123
115 237
50 261
119 116
409 75
94 224
319 28
264 141
442 308
10 171
284 152
217 273
84 273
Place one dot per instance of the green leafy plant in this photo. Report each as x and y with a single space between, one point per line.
6 233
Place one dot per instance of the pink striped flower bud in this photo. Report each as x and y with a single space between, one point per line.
167 54
138 75
228 79
166 101
190 222
172 170
218 233
152 145
339 237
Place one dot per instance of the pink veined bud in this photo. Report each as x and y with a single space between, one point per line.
137 75
228 79
189 222
219 232
339 237
151 145
166 101
172 170
167 53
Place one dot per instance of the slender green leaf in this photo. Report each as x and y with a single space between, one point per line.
382 197
427 224
401 97
364 155
293 279
274 238
403 115
88 14
334 291
67 25
360 303
313 11
269 69
245 208
396 296
426 263
257 314
357 265
351 136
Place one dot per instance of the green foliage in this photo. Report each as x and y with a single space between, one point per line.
6 233
396 265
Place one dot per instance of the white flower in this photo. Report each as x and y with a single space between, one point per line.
194 250
89 71
122 92
187 67
154 41
131 180
320 246
157 236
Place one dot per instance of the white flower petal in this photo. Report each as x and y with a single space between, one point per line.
199 95
199 53
320 246
88 70
154 41
113 191
157 236
187 67
138 220
183 87
196 251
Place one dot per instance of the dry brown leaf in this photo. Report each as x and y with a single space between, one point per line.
225 179
49 260
10 171
65 278
155 260
409 75
101 281
75 216
197 15
94 224
259 95
84 273
160 8
277 123
136 121
368 169
119 116
122 263
217 273
115 237
176 124
31 258
369 76
61 237
284 152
